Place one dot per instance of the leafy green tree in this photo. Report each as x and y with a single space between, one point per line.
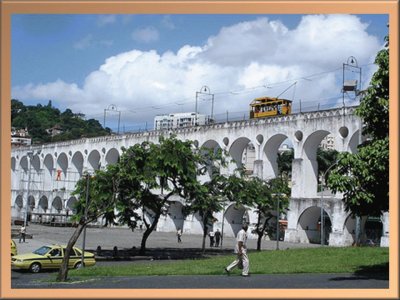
101 196
151 174
262 195
208 198
364 177
284 160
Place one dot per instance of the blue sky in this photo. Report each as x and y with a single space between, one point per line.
154 64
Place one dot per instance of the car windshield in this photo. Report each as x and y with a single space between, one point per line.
42 250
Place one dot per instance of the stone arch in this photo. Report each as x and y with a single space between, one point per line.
210 145
77 163
112 156
35 162
355 141
271 152
94 160
48 164
57 204
233 219
71 204
43 204
237 148
19 202
174 218
13 164
24 163
310 165
31 202
309 225
62 163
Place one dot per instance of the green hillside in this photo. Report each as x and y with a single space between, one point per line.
39 119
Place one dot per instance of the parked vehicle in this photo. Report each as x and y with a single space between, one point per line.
50 257
13 248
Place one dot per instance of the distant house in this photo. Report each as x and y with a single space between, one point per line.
20 137
55 130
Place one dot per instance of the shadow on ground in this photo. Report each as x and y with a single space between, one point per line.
378 272
158 253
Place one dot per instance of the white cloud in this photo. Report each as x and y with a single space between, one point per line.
167 22
89 41
146 35
104 20
249 59
84 43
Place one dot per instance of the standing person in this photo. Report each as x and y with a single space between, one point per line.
179 234
211 234
22 233
217 238
241 251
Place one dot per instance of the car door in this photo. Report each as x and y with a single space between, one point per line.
55 256
73 258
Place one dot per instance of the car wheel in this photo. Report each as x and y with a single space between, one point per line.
78 265
35 267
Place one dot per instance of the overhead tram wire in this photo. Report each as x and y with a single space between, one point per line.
186 101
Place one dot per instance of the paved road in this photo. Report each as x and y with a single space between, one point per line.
107 238
291 281
124 238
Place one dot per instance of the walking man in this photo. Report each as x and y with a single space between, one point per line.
22 233
241 251
217 238
179 234
211 234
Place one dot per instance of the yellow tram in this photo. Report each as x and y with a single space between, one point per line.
268 107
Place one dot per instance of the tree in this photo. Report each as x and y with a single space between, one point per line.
364 177
150 174
93 202
262 195
284 160
207 198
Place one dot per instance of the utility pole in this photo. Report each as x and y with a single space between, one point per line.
85 216
29 159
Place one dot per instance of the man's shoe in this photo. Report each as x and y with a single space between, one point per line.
226 271
245 275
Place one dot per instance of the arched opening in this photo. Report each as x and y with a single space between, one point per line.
43 204
174 218
243 152
309 226
19 202
279 154
213 147
233 219
57 204
112 156
94 160
77 167
71 205
48 163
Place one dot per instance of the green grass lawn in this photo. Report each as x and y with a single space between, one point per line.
316 260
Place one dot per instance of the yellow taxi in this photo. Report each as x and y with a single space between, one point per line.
50 257
13 248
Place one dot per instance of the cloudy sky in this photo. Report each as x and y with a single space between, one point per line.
147 65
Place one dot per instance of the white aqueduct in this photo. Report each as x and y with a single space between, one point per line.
54 169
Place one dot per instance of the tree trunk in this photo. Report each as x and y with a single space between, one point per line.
63 273
147 233
259 238
203 245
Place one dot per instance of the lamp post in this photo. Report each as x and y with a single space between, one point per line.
277 196
322 202
112 107
351 85
205 90
30 156
84 229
